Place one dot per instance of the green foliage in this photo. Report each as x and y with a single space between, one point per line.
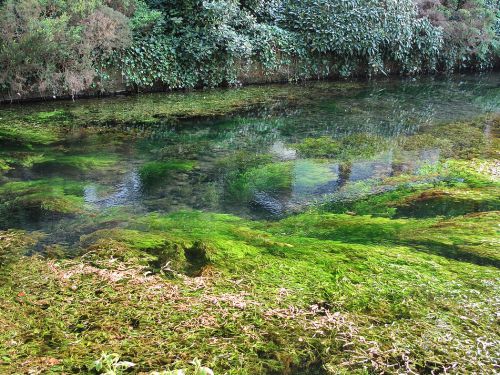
363 34
110 364
54 47
470 31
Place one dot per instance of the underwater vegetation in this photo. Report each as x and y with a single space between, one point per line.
322 286
344 234
22 200
153 172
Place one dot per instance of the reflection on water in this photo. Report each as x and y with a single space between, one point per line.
260 163
126 191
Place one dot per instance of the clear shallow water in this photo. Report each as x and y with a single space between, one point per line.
263 161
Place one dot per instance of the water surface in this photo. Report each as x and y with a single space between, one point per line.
310 145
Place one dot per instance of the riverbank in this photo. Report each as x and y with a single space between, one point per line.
254 78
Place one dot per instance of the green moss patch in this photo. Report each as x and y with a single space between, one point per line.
359 145
319 147
276 178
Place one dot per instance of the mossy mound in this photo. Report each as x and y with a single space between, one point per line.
319 147
156 250
460 140
358 145
14 244
422 200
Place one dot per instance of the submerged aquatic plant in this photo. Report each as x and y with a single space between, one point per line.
154 172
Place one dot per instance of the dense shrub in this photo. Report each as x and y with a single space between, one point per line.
53 46
471 30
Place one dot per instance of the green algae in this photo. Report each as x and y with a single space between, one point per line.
459 140
309 174
15 132
14 244
361 145
422 200
276 178
319 147
4 166
50 116
82 163
162 107
30 199
327 279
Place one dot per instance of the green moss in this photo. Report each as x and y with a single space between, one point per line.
362 145
240 161
4 166
449 202
426 141
401 276
124 244
155 171
474 173
460 140
309 174
153 108
359 145
132 238
422 200
50 116
14 244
